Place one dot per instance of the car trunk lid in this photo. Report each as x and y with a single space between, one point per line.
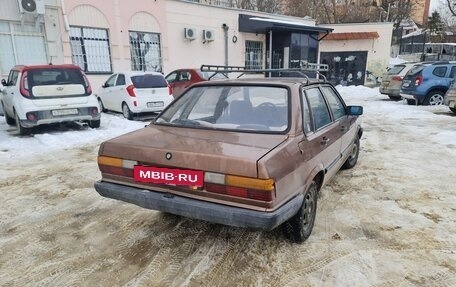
198 149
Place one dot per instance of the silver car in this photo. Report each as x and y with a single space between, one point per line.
450 98
392 80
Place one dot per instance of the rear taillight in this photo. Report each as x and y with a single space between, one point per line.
170 90
418 80
131 91
245 187
116 166
31 116
94 111
24 85
88 88
397 78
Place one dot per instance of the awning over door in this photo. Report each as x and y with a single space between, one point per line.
255 24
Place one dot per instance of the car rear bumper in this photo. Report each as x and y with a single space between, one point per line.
450 101
47 117
390 92
203 210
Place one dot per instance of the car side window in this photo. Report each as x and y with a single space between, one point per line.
12 78
452 72
440 71
172 77
335 103
318 108
110 82
306 119
120 80
185 76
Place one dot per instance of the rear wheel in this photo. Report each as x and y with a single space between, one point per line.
9 120
395 98
21 129
353 157
102 108
434 98
299 227
94 124
411 102
127 112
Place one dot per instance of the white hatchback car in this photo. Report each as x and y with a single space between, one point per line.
135 92
45 94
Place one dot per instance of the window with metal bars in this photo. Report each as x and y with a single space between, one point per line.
145 51
90 49
253 54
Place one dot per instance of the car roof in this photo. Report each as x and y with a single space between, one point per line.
139 73
47 66
263 81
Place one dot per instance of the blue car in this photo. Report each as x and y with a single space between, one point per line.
426 84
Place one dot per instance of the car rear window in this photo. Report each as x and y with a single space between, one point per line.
149 81
44 77
240 108
396 69
415 70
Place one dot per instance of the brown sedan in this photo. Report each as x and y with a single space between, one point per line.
248 153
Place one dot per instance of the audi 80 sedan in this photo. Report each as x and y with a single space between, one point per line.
250 153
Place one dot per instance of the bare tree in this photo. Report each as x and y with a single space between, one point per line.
452 6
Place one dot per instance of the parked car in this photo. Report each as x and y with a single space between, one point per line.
427 83
44 94
249 153
134 93
392 80
181 79
450 98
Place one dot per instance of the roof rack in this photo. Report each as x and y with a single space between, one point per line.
304 67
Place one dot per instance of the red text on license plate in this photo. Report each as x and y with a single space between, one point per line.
168 176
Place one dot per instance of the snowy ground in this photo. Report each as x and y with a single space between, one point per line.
388 222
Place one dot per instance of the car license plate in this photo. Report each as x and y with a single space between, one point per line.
170 176
65 112
406 83
155 104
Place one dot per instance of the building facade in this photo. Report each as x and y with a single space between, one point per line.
103 37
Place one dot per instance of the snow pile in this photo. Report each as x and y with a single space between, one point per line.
396 61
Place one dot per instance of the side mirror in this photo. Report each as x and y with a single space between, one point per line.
354 110
105 85
4 82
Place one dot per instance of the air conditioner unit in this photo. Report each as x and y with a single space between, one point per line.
190 33
208 35
31 6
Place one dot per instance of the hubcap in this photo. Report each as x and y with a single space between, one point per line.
436 100
126 112
308 210
354 151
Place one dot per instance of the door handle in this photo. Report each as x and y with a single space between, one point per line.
343 129
324 141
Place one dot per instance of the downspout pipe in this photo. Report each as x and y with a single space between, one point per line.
225 32
65 17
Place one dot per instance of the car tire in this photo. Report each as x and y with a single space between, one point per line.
299 227
451 109
395 98
95 124
23 131
102 108
126 111
434 98
352 159
9 120
411 102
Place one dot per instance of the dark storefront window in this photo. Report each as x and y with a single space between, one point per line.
345 68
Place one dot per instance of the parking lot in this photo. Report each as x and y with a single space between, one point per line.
390 221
